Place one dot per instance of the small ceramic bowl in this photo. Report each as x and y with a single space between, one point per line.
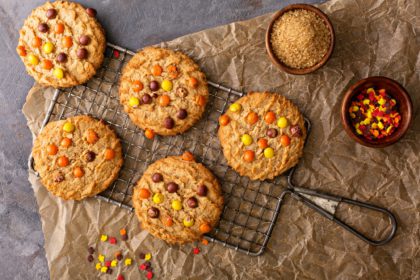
405 108
277 61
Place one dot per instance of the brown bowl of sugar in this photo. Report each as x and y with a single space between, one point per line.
300 39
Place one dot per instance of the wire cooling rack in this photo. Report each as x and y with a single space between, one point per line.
251 207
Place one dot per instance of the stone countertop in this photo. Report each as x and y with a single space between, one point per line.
131 24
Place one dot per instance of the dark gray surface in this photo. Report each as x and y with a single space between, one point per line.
129 23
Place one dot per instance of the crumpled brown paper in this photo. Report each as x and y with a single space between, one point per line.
373 38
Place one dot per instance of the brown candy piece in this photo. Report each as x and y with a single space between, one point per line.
182 114
202 190
91 250
91 12
61 57
296 131
272 132
172 187
51 13
153 212
146 99
82 53
90 156
84 40
181 92
59 178
192 202
157 177
43 27
90 258
169 123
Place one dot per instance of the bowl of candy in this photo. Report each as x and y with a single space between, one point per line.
376 112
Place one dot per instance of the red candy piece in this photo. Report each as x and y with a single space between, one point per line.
142 266
108 263
149 275
116 54
196 251
113 240
120 277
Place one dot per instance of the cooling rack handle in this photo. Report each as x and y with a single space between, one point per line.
304 196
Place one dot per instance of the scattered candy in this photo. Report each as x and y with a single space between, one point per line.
98 266
58 73
104 269
154 86
134 102
36 42
109 271
188 156
282 122
249 156
61 58
52 149
262 143
235 107
116 53
90 156
91 12
193 82
104 237
91 250
43 27
144 193
172 187
153 212
224 120
127 262
205 228
205 241
21 51
59 178
84 40
33 59
65 142
82 53
123 231
188 222
202 190
150 134
67 41
201 100
91 137
169 123
142 256
113 240
108 263
119 256
252 118
78 172
164 100
120 277
269 117
192 202
59 28
114 263
246 139
142 266
166 85
149 275
168 221
101 258
268 152
156 70
109 154
176 205
272 132
146 99
90 258
285 140
47 64
158 198
63 161
182 114
148 257
48 47
196 251
295 131
157 177
51 13
137 86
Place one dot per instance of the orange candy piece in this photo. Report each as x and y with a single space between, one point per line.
204 228
188 156
156 70
270 117
224 120
78 172
36 42
59 28
63 161
109 154
285 140
150 134
66 142
21 50
47 64
193 82
164 100
252 118
144 193
123 231
205 241
52 149
137 86
262 143
67 41
173 72
168 221
201 100
249 156
92 137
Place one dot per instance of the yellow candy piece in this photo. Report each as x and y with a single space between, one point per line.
369 90
48 47
98 266
188 222
282 122
134 101
268 152
58 73
176 205
114 263
158 198
101 258
127 262
235 107
366 101
380 125
33 59
369 114
382 101
104 269
352 115
374 125
166 85
246 139
389 129
148 257
355 108
359 131
69 127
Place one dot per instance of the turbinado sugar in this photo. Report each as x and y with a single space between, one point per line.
300 38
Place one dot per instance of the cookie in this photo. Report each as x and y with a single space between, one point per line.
262 135
178 200
62 44
78 157
163 91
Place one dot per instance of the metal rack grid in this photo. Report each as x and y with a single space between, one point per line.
251 207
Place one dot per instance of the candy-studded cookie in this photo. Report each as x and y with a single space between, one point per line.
61 44
262 135
178 199
78 157
163 91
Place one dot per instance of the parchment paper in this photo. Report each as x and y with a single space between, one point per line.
373 38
